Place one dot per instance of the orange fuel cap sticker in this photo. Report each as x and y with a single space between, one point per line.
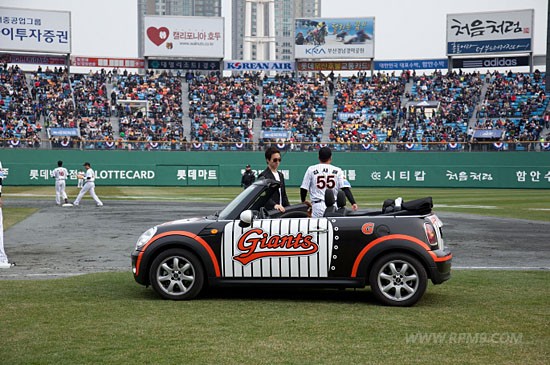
367 228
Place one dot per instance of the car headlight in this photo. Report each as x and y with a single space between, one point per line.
145 237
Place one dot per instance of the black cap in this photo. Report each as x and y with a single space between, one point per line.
248 166
325 154
86 164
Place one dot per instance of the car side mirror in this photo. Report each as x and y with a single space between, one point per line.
247 217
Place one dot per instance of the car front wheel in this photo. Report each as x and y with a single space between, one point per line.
177 274
398 280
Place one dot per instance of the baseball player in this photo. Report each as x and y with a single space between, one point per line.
89 185
324 176
60 174
4 263
80 182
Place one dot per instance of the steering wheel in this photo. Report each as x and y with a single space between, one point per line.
296 214
263 213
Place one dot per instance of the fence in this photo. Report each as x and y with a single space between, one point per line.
220 168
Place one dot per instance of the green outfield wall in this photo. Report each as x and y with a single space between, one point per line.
363 169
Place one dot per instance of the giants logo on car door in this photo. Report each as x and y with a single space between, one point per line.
297 248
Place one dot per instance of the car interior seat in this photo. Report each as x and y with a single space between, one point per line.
330 202
341 202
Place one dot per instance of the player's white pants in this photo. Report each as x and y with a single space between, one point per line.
80 183
318 209
60 191
3 257
88 186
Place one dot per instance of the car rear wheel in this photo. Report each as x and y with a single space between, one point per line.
177 274
398 280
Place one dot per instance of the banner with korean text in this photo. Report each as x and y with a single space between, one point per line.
334 38
183 36
490 32
32 30
525 170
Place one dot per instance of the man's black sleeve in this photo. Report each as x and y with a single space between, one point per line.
303 194
349 195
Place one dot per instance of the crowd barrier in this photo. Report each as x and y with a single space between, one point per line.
220 168
176 145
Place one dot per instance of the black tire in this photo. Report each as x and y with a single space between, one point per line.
398 280
177 274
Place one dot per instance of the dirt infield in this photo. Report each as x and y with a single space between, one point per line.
60 242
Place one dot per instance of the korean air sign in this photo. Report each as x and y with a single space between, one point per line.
258 66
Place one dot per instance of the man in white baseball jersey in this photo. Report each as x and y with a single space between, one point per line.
89 185
324 176
60 174
80 179
4 263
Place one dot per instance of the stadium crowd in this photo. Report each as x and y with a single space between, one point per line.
297 106
222 109
147 111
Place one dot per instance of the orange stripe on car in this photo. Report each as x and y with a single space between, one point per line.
186 234
393 237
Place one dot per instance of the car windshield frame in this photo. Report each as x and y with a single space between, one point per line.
251 196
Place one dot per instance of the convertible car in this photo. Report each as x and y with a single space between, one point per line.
395 250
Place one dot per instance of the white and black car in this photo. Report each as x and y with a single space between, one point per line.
396 250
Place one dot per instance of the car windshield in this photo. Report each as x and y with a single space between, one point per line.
255 197
224 214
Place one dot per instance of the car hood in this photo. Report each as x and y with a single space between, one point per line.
192 225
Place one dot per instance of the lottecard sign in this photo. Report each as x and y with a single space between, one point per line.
183 37
32 30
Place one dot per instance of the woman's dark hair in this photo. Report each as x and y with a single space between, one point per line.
270 152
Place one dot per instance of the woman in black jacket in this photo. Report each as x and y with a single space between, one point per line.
279 199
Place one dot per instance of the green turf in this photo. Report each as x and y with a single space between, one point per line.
478 317
509 203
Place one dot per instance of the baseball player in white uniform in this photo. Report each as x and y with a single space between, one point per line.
80 182
60 174
324 176
89 185
4 263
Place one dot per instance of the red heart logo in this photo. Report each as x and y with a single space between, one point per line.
158 35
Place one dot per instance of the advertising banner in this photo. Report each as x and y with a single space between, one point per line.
64 132
334 66
183 37
107 62
183 65
490 32
400 65
334 38
362 169
490 62
32 59
258 66
32 30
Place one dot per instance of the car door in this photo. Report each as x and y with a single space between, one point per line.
277 248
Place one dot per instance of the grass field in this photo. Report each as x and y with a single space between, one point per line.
479 317
510 203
